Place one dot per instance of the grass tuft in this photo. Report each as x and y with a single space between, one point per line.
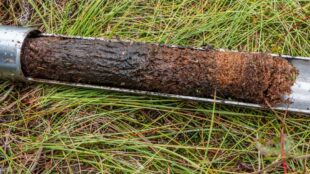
51 129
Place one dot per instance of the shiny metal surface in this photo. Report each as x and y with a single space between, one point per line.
300 95
11 42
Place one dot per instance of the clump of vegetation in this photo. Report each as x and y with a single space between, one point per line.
59 129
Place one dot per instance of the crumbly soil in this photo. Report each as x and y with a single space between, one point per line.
256 78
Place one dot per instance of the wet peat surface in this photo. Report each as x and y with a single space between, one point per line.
256 78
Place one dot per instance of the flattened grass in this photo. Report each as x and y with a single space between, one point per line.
59 129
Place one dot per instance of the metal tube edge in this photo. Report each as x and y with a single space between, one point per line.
11 43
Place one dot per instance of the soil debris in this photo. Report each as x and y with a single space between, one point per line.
250 77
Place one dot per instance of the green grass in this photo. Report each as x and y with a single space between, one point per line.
52 129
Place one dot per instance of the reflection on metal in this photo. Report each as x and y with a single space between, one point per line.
11 42
300 95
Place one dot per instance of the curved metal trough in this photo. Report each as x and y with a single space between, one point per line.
12 39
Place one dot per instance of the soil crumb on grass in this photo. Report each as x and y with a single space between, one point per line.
256 78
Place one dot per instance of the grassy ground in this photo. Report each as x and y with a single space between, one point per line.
60 129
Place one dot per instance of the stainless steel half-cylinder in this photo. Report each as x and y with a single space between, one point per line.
11 44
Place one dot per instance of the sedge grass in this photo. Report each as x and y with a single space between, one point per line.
48 129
